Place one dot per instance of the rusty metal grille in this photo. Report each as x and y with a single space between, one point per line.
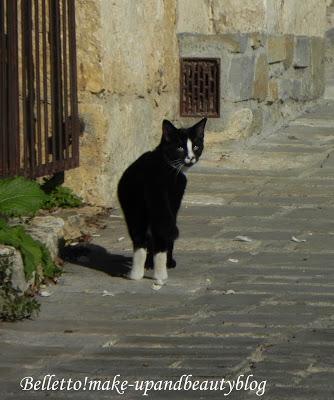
200 87
39 129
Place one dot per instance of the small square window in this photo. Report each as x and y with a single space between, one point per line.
200 87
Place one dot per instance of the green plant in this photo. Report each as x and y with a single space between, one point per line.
34 253
62 197
14 307
20 196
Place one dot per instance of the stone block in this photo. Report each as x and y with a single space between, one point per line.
258 121
241 75
302 53
90 48
48 230
297 89
198 45
272 91
260 88
235 42
277 70
289 49
76 221
276 49
192 45
239 124
257 40
12 269
90 77
317 66
193 16
284 89
236 15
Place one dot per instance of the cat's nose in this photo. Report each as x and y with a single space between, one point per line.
190 160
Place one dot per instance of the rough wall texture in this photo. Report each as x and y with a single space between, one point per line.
89 177
296 17
307 17
194 16
238 15
329 57
220 16
128 82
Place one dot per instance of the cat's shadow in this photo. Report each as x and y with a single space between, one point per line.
97 257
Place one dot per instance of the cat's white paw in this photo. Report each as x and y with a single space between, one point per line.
160 276
136 274
159 281
160 267
138 266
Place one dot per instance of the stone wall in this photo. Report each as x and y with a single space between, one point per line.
128 82
296 17
128 73
307 17
265 79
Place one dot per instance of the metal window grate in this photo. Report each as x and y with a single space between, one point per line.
39 127
200 87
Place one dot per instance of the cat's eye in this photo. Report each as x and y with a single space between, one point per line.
196 148
180 149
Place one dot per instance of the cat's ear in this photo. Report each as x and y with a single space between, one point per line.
168 130
199 128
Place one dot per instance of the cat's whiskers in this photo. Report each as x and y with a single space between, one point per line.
176 163
179 169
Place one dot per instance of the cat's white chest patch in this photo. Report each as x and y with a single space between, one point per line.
190 156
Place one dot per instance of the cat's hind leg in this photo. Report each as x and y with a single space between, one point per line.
137 231
149 263
138 264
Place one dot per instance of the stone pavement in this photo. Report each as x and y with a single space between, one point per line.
263 307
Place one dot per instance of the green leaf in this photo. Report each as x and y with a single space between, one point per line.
2 223
62 197
19 196
50 269
33 252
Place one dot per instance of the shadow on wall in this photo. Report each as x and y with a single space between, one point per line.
96 257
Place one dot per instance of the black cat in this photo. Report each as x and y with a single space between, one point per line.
150 193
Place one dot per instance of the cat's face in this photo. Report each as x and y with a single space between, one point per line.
182 147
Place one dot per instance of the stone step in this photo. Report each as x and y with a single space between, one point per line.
315 122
